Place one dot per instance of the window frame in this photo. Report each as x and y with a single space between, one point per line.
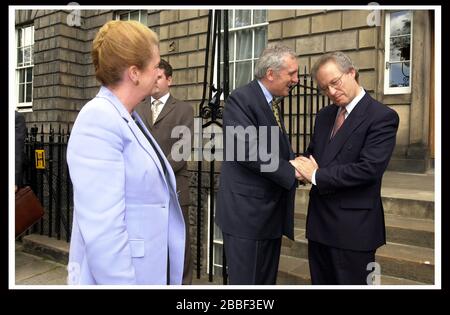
232 31
142 15
24 106
216 241
404 89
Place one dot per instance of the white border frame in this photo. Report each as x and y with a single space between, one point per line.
373 8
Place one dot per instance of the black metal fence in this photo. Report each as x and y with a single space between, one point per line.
47 173
299 111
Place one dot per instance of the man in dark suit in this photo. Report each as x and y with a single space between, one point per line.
255 204
161 113
20 141
352 143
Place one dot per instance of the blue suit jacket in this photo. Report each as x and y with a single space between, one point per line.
127 219
250 203
345 209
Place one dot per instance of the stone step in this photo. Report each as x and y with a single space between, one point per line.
402 230
295 271
410 203
409 231
46 247
397 260
407 261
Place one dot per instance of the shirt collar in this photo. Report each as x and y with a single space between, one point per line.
163 99
355 101
266 92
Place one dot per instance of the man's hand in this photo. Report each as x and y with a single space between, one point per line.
298 175
306 166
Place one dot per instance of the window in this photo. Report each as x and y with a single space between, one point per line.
137 15
217 245
247 39
24 67
398 52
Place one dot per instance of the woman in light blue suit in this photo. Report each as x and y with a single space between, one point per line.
128 227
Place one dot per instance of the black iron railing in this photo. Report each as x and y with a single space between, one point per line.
299 111
47 173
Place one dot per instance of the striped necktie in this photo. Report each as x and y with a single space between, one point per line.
339 121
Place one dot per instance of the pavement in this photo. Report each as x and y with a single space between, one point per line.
35 270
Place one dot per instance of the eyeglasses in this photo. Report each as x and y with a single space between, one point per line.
334 84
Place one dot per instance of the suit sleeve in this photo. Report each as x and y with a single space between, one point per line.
235 115
373 158
97 170
187 120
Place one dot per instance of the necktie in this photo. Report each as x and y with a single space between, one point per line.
339 121
156 108
276 113
153 145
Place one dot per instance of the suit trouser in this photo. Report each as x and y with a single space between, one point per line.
330 265
188 265
251 261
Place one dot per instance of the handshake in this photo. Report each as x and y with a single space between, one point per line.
304 168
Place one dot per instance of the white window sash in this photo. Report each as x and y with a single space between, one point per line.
128 13
215 242
233 32
395 90
24 106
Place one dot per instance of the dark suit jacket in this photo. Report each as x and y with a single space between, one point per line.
345 209
20 141
174 113
250 203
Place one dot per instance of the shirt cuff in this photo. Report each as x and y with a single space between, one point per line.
313 177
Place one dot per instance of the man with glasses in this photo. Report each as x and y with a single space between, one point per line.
350 149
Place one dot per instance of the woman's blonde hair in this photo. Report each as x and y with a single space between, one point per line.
119 45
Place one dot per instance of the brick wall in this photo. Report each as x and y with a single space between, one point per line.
59 69
183 44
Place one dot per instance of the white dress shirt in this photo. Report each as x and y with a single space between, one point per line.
163 100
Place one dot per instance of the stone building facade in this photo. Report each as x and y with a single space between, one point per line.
63 76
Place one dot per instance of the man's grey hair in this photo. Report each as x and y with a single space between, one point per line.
272 57
344 63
